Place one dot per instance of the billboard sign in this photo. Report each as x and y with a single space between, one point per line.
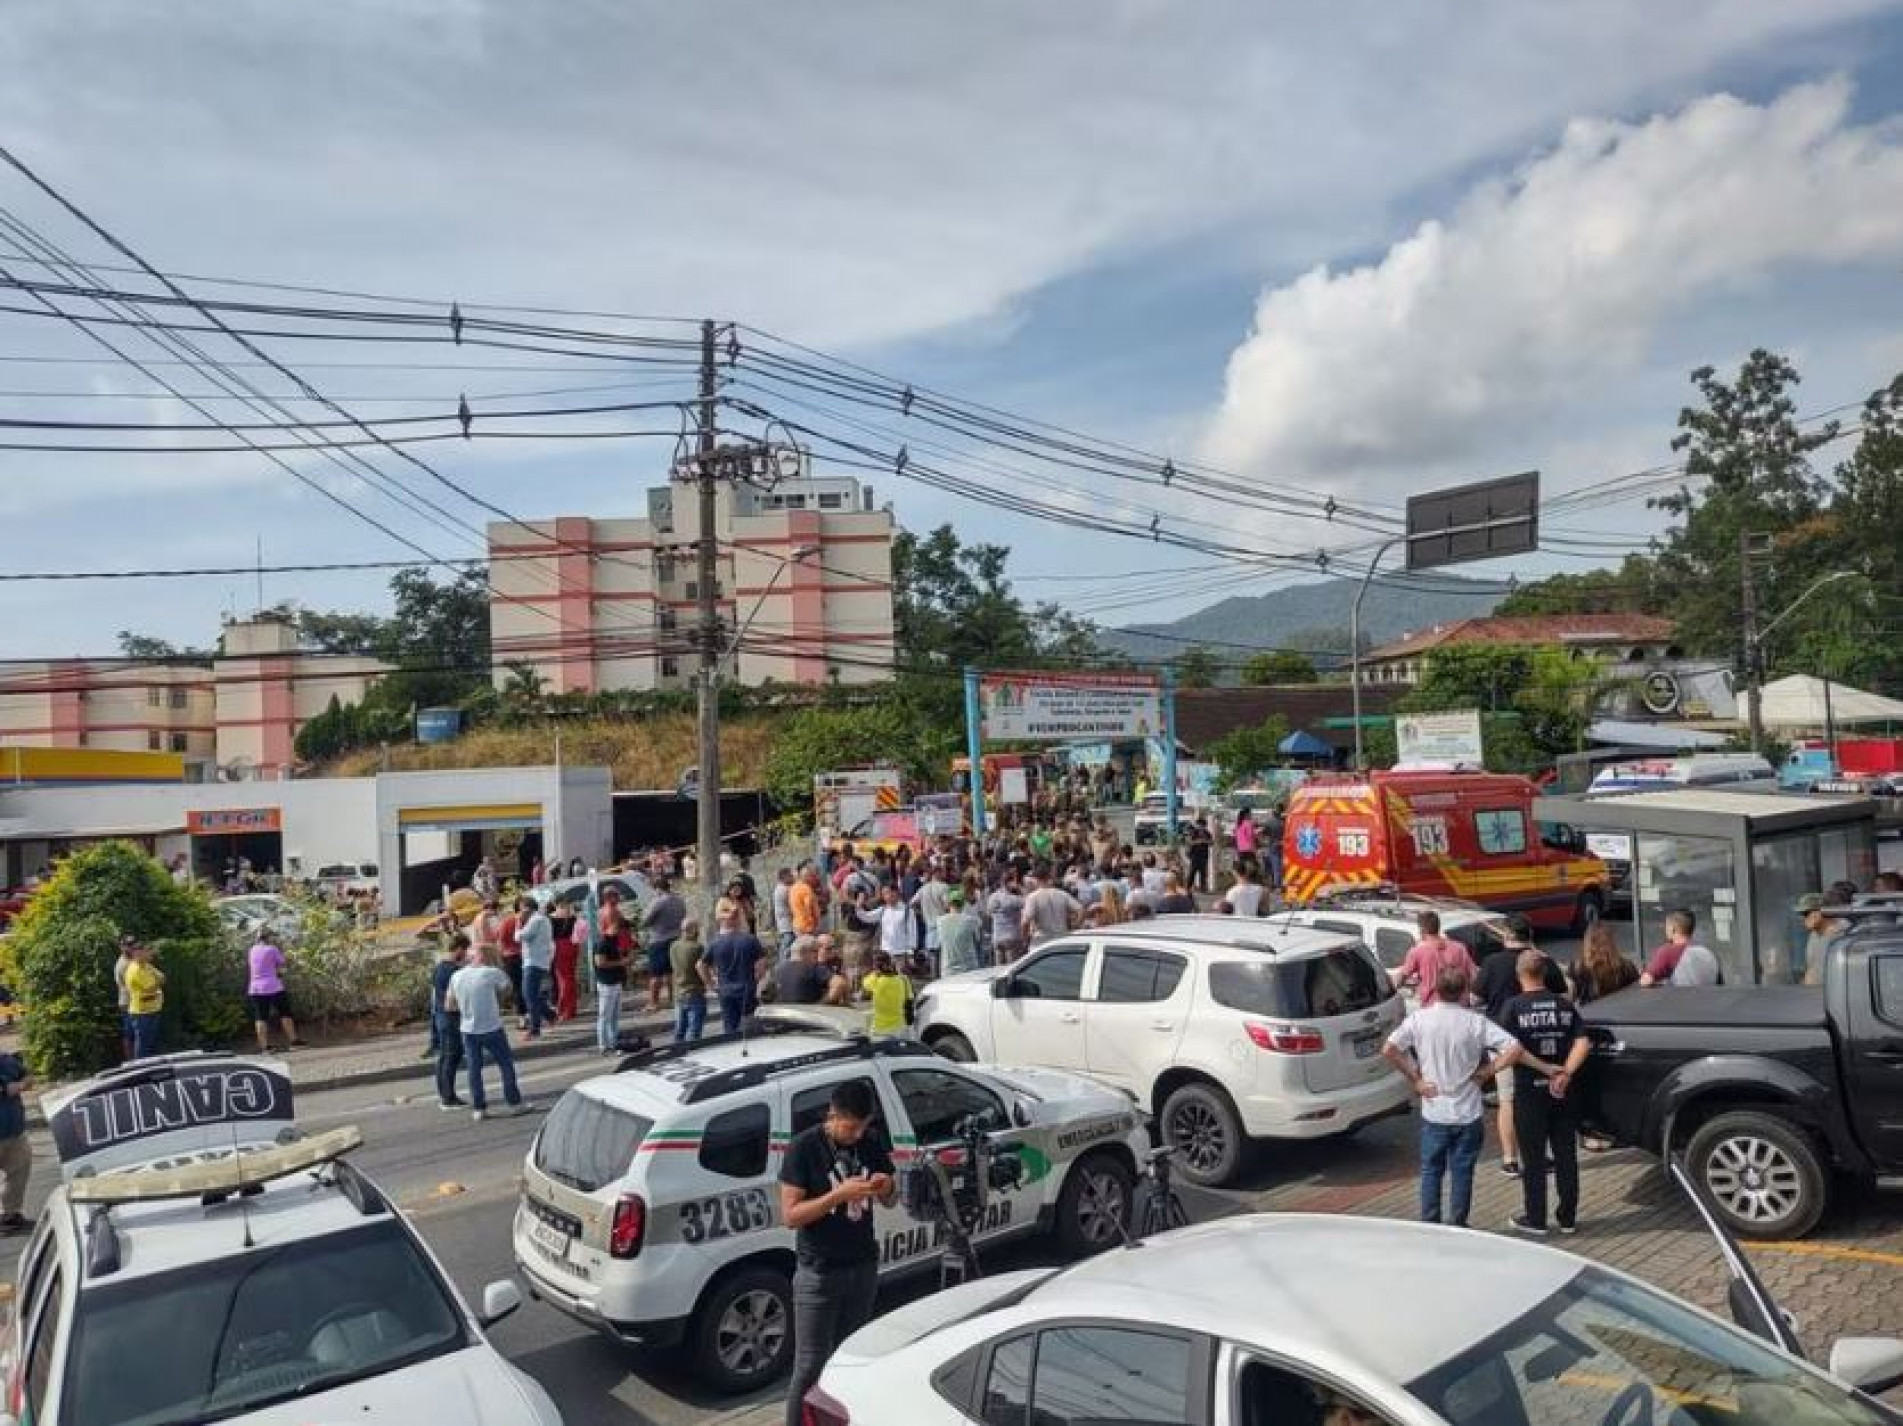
1438 739
1474 522
1036 706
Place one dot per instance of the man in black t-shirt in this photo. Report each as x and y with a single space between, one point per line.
832 1175
1497 983
1555 1045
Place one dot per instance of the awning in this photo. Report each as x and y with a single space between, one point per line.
1800 702
1665 736
479 817
1304 744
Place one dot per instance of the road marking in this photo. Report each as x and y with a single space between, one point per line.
1830 1250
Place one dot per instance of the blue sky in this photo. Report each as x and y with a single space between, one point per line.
1361 255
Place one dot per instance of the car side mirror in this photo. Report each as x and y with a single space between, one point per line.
1001 988
499 1299
1872 1364
1020 1114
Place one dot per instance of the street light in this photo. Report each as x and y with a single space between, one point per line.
1754 654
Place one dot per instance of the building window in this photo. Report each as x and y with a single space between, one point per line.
178 742
831 500
664 569
693 589
667 619
178 698
151 698
670 666
154 741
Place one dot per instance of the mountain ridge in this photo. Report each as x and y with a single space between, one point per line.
1311 617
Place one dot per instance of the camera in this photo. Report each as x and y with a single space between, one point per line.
952 1187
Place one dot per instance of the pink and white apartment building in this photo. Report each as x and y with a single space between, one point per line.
241 713
804 572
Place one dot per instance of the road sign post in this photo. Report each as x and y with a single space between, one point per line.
1457 525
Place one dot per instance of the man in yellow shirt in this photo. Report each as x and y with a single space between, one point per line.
145 998
891 997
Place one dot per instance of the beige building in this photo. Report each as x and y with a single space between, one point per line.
125 707
267 688
240 714
805 571
1622 644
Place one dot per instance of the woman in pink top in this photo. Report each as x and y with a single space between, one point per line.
269 1004
1432 954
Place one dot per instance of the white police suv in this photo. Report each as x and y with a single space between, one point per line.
650 1207
202 1260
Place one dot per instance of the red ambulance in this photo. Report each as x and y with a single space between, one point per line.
1470 835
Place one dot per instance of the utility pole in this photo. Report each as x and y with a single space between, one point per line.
1753 651
708 685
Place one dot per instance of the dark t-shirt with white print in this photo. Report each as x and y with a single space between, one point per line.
816 1165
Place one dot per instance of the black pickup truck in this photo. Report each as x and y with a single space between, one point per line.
1769 1092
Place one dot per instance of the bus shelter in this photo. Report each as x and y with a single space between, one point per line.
1737 861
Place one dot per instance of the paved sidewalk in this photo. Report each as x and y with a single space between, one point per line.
398 1055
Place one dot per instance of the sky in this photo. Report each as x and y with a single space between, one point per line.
1349 252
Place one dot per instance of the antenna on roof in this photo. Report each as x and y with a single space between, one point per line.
244 1198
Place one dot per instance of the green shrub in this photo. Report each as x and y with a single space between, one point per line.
336 971
59 959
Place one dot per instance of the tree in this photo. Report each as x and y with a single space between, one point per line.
1195 667
60 959
145 647
1534 699
890 731
1242 753
953 608
521 691
1746 446
1278 666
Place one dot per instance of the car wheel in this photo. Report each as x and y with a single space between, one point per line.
1201 1123
953 1046
743 1332
1093 1211
1762 1173
1587 910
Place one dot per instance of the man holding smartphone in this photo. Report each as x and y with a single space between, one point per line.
831 1177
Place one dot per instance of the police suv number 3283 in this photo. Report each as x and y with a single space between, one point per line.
727 1214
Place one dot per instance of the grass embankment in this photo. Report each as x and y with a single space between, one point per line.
643 752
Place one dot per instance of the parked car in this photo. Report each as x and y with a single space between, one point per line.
1769 1091
1228 1030
352 878
1280 1317
1384 920
573 891
247 915
686 1246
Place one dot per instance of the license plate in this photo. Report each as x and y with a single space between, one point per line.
548 1237
1367 1043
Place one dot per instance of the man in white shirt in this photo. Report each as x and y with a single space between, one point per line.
475 992
1446 1052
537 936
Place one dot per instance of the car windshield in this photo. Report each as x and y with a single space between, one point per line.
274 1324
1480 937
1602 1349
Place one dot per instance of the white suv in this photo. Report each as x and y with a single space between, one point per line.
1386 923
650 1209
1228 1029
203 1261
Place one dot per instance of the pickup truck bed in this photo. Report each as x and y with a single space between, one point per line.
1772 1006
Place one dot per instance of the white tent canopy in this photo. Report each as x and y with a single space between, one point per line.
1798 702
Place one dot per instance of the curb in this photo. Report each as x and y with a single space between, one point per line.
418 1067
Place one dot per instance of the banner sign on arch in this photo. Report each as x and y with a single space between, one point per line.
1033 706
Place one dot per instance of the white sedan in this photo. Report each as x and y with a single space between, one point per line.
1331 1321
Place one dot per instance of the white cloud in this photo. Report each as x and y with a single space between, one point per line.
1538 287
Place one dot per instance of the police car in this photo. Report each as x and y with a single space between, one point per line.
650 1208
202 1260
